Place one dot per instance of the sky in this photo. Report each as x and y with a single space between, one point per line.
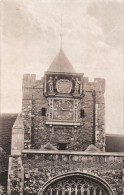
93 41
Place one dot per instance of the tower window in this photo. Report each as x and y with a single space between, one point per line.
62 146
43 111
81 113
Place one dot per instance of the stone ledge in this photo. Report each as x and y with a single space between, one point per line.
33 151
62 123
14 155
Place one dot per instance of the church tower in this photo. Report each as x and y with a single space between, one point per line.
59 137
63 109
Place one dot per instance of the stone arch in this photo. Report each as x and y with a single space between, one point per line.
81 184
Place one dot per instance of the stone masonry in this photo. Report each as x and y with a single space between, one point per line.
61 129
83 136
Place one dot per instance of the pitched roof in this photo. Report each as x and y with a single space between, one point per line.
114 143
61 64
6 123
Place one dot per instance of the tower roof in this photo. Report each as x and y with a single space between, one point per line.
61 64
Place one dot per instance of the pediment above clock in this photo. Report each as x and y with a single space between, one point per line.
59 84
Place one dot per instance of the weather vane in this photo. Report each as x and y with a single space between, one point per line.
61 35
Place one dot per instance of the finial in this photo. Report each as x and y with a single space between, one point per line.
61 34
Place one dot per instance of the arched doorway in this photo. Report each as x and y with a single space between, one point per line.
76 183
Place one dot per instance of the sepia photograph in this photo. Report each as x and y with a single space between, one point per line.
61 97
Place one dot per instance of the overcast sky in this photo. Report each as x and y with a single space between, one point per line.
93 39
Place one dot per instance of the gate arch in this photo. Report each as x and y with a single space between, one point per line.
76 183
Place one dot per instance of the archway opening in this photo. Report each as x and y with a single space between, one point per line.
76 183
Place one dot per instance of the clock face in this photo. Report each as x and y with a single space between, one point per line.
63 110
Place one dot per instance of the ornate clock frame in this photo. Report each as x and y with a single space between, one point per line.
63 87
51 109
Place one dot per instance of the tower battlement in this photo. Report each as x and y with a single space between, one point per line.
28 79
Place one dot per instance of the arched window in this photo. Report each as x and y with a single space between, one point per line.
76 183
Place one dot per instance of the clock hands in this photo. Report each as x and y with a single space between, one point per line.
63 109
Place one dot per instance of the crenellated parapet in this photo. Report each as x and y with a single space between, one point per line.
28 80
98 85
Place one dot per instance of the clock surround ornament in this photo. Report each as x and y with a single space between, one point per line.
63 84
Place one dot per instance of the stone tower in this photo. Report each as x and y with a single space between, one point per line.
59 134
63 108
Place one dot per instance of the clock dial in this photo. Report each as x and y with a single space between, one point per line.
63 110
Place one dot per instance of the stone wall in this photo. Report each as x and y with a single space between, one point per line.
91 130
30 168
41 167
15 176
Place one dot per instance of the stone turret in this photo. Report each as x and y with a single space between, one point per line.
16 171
17 144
